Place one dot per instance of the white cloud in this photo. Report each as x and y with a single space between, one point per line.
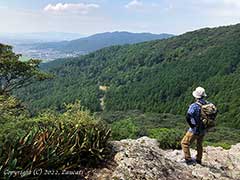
135 4
81 8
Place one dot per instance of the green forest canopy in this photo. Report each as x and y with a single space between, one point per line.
156 76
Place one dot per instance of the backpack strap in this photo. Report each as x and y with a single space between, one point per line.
198 103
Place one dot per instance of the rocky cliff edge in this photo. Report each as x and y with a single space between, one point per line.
143 159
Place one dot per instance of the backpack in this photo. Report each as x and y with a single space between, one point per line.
208 115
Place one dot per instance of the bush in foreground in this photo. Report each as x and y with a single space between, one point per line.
67 141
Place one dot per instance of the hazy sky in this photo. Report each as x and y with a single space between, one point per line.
92 16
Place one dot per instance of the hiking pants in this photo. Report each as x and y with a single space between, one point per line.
186 142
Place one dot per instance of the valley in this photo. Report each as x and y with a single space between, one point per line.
151 77
63 45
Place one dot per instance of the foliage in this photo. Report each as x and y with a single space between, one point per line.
66 141
167 128
157 76
124 129
15 73
10 108
168 138
223 136
52 140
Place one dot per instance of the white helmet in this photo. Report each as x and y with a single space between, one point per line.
199 93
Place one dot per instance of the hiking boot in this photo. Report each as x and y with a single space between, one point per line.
189 162
199 162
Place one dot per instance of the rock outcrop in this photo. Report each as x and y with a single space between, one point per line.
143 159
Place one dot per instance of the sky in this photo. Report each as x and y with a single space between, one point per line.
94 16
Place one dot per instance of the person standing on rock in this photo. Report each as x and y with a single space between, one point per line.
197 130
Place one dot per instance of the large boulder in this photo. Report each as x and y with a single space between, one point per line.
143 159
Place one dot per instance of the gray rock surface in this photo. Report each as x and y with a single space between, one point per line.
143 159
217 162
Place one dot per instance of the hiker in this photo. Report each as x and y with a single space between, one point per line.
197 130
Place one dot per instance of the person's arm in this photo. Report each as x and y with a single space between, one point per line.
190 116
190 120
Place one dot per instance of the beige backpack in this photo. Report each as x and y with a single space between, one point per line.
208 115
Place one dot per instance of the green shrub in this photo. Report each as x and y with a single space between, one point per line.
223 136
167 138
224 145
70 140
11 109
124 129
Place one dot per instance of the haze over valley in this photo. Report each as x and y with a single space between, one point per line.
50 46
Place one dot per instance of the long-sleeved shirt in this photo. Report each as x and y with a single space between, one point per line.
194 111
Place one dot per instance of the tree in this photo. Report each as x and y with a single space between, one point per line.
14 73
10 109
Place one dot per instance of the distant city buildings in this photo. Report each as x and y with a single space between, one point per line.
44 54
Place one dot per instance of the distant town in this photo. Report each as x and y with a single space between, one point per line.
45 55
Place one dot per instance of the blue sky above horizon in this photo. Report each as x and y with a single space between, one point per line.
94 16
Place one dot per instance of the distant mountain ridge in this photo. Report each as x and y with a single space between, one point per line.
37 37
101 40
155 76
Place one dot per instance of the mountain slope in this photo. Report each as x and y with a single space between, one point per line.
101 40
156 76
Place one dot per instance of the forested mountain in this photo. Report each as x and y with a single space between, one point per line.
101 40
157 76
